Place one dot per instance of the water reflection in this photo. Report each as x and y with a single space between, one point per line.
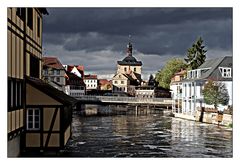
151 135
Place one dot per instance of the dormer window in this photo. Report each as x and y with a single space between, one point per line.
226 72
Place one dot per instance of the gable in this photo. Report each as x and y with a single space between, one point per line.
76 72
119 76
36 97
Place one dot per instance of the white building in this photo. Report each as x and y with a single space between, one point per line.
91 82
75 86
187 94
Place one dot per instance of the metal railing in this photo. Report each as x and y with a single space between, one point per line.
121 99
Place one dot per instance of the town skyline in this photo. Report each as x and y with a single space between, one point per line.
99 37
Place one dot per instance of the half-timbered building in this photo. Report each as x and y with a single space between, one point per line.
36 118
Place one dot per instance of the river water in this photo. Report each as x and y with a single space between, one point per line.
145 135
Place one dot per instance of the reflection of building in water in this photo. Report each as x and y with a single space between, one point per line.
184 131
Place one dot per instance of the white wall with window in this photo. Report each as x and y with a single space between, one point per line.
33 119
74 90
91 83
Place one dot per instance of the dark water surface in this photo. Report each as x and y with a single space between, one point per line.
152 135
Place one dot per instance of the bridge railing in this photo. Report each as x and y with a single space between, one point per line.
123 99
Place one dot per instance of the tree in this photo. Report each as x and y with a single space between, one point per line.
163 77
196 55
151 81
215 93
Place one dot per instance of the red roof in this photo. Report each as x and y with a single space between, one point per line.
104 81
52 62
90 76
80 67
181 72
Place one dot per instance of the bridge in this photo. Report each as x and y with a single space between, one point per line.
87 99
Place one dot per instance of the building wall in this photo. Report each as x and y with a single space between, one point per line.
50 74
145 93
31 98
192 97
76 91
91 83
23 45
121 69
67 134
120 83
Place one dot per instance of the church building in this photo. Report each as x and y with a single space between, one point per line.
128 74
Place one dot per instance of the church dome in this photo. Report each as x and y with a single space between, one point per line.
130 59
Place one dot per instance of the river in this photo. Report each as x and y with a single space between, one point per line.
146 135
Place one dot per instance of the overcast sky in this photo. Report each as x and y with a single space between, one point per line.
97 37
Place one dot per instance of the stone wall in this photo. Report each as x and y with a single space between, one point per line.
214 118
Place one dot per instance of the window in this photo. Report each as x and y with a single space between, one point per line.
52 78
11 94
134 69
33 119
34 66
38 26
226 72
21 13
122 82
58 72
45 72
30 18
15 93
125 69
58 79
115 82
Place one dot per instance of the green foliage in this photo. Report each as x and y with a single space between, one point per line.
163 77
215 93
230 125
196 55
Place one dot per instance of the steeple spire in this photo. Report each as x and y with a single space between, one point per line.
129 46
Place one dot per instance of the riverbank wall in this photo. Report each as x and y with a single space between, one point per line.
208 117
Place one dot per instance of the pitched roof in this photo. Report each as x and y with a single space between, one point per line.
213 72
90 76
213 64
80 67
104 81
181 72
52 62
51 91
130 78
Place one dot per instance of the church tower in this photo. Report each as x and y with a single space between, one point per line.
129 64
128 74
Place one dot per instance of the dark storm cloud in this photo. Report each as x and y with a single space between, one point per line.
155 30
118 20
